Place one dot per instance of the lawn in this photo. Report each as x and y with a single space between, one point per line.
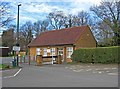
3 66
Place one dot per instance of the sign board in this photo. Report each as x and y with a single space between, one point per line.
16 48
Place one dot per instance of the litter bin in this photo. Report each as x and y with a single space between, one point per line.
14 63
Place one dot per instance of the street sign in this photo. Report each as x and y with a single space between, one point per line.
16 48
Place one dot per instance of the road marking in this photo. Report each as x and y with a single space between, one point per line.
106 68
14 74
100 72
5 70
89 70
66 67
17 72
112 73
78 70
114 68
8 77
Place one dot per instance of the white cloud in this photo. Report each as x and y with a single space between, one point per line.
90 2
41 8
26 18
27 1
32 9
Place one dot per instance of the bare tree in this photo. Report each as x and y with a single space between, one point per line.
109 13
83 18
5 15
56 19
26 34
40 26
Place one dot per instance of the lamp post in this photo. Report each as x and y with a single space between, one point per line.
17 44
18 25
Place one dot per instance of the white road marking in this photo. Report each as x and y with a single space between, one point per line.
107 71
89 70
99 72
5 70
106 68
112 73
114 68
14 74
66 67
8 77
17 72
78 70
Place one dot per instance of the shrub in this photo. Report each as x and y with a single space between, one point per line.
96 55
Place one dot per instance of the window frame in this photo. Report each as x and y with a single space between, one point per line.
38 51
44 51
52 51
69 52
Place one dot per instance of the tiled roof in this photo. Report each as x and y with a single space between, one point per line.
59 37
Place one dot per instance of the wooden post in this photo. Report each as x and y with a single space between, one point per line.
24 58
64 54
59 60
29 60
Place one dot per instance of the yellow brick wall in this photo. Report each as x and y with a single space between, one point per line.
32 51
86 40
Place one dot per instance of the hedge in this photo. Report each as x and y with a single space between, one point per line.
96 55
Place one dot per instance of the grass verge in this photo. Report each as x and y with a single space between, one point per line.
5 67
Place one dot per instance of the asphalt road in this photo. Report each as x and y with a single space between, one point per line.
63 76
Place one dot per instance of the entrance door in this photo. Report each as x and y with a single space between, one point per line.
61 52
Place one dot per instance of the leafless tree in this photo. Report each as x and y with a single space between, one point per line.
56 19
82 18
26 34
40 26
109 13
5 15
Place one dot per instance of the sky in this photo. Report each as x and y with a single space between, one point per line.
33 10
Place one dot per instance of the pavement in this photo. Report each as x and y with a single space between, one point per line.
64 75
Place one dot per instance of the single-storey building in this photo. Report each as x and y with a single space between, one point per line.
62 42
4 51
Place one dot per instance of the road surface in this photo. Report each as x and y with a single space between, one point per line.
63 76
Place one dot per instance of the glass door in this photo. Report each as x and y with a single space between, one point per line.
61 52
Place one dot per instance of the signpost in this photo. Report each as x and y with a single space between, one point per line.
17 49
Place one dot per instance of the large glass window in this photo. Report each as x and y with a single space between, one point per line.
37 51
52 51
44 51
69 52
